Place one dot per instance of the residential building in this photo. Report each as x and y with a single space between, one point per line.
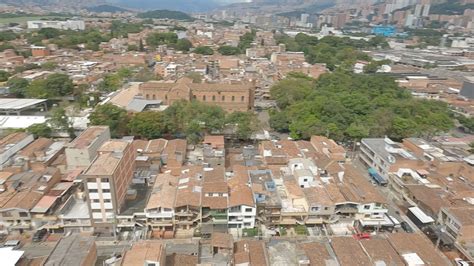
107 180
82 150
145 253
11 144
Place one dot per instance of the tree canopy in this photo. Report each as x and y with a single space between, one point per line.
183 45
110 115
191 119
204 50
229 50
330 50
344 106
161 38
55 85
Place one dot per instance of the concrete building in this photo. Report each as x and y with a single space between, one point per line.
83 149
382 154
107 180
56 24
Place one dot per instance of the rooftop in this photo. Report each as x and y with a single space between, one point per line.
71 250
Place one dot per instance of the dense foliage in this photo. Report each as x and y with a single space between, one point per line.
40 130
183 45
162 14
17 86
161 38
7 36
229 50
451 7
246 40
69 38
113 82
346 106
55 85
204 50
333 51
122 29
110 115
182 119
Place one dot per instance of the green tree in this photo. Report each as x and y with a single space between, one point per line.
49 66
204 50
37 89
59 84
183 45
161 38
17 86
245 123
40 130
110 115
4 75
229 50
59 120
147 125
110 83
246 40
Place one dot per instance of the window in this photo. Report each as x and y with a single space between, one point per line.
147 96
314 209
326 208
105 180
154 97
242 98
233 98
7 214
106 190
204 98
93 190
96 200
248 209
223 98
213 98
23 214
366 207
305 180
194 96
107 200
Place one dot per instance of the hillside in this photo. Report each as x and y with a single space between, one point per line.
107 8
165 14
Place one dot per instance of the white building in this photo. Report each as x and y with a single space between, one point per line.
60 25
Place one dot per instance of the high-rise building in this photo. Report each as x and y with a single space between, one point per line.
107 180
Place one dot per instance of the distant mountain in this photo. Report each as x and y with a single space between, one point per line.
165 14
107 8
179 5
57 3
